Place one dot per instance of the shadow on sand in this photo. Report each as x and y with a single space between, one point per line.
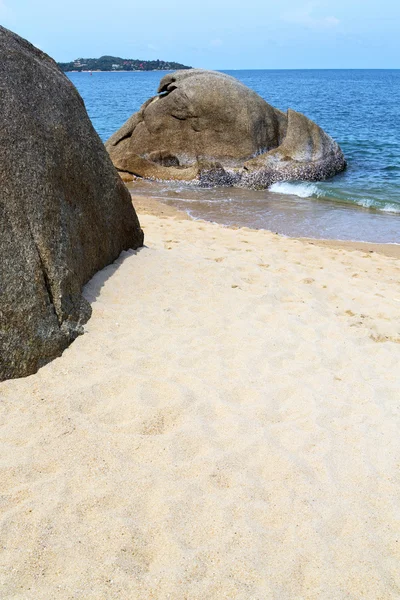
93 287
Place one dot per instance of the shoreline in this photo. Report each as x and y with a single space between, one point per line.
153 206
125 71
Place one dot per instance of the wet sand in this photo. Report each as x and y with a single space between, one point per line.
227 427
285 213
152 206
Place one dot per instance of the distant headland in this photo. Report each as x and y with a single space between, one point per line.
115 63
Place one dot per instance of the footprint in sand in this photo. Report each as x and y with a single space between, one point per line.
377 337
160 423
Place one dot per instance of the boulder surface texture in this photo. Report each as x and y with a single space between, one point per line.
207 125
64 211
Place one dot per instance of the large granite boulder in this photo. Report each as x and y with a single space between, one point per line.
206 125
64 211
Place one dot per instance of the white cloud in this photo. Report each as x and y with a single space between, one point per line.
305 16
216 43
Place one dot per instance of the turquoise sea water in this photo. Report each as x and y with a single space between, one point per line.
359 108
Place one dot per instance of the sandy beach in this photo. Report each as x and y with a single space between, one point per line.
227 427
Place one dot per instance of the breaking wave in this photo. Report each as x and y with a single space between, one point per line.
304 189
300 189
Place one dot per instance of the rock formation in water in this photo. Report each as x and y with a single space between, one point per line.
64 211
206 125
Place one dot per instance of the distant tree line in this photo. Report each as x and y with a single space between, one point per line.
114 63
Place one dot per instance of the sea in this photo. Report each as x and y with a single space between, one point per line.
360 109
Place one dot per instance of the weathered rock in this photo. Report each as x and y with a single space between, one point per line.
64 211
209 126
126 177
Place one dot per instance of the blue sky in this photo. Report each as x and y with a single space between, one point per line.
216 34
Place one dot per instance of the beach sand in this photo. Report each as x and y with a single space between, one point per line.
227 427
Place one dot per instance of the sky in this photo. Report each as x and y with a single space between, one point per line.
215 34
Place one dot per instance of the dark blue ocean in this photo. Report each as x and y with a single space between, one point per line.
360 109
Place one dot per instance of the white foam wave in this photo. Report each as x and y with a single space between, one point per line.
393 208
300 189
366 203
370 203
308 190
